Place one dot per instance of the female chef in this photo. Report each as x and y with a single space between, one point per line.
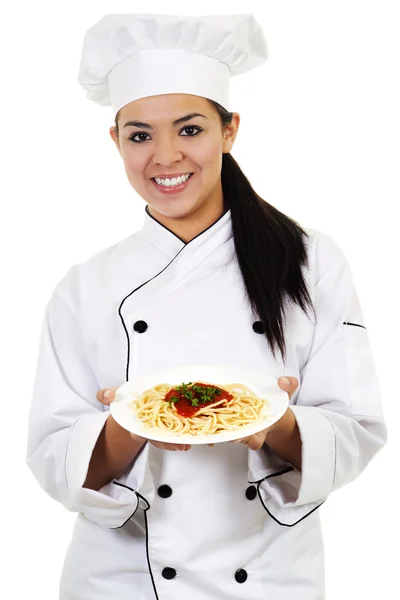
215 275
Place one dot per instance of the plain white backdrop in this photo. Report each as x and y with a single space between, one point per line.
319 139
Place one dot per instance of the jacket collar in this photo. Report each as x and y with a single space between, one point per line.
170 244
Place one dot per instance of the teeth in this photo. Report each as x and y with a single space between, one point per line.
174 181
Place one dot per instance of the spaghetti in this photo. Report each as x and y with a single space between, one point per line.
199 408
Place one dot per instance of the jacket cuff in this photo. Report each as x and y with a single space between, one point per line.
113 505
318 454
289 495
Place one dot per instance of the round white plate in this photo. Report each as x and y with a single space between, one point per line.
264 386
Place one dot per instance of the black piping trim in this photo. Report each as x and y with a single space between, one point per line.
137 506
154 219
287 470
128 519
147 554
354 324
259 482
147 548
279 522
147 528
138 496
122 485
122 318
177 236
148 281
144 499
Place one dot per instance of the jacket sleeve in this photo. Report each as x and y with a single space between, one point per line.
65 422
337 407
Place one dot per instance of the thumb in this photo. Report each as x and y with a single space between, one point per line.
106 395
288 384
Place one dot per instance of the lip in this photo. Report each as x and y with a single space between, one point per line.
172 190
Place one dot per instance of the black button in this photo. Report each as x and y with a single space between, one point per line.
240 575
140 326
168 573
251 492
258 327
164 491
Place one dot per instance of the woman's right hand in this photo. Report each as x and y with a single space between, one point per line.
107 395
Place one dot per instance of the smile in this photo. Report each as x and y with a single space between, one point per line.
172 186
173 181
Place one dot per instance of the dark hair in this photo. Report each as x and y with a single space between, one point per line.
270 248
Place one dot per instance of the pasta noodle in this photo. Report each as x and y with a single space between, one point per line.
235 409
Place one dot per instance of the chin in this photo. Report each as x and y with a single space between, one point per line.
173 209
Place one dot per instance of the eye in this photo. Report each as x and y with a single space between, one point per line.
134 135
191 127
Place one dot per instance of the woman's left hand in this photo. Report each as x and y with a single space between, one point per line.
256 441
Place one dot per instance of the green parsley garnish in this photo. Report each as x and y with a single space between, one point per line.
195 394
174 399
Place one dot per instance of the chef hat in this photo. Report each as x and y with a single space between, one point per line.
126 57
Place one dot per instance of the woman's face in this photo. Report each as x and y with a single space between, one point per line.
160 137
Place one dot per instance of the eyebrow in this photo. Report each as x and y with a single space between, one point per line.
176 122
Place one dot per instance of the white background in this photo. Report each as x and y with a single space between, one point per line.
319 139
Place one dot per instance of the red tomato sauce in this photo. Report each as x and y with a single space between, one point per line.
183 406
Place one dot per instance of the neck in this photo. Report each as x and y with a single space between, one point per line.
189 226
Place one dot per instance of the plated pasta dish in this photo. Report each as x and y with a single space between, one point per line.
199 408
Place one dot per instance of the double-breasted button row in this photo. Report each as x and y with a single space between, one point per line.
164 491
170 573
142 326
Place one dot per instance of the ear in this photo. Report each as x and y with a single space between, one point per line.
114 137
230 133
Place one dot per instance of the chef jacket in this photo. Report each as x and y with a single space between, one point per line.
220 523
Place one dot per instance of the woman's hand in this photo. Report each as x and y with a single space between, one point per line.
256 441
107 395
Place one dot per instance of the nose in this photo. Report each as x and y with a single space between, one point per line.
166 151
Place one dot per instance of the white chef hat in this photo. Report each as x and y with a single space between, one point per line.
127 57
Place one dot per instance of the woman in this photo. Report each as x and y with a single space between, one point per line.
216 275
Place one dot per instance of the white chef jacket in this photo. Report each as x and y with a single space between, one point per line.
221 523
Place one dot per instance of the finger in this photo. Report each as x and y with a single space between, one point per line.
255 444
171 447
241 441
256 441
288 384
160 445
106 395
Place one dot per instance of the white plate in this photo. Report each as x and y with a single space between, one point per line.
263 386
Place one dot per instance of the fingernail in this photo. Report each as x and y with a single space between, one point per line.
285 380
107 394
